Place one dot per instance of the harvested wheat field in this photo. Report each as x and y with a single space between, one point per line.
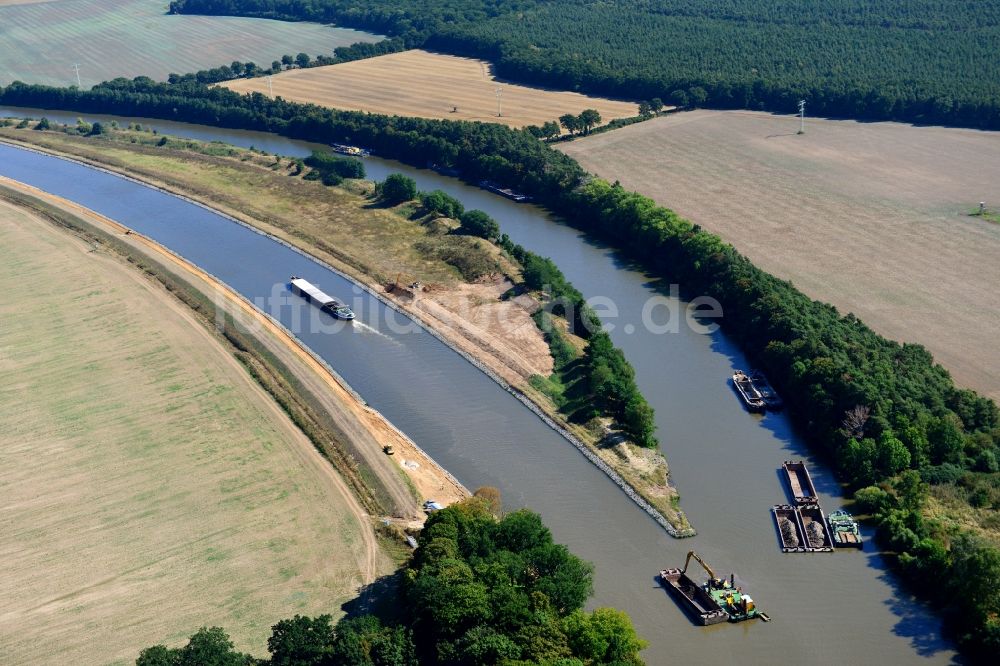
872 217
429 85
149 486
109 38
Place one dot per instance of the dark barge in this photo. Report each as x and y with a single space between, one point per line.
786 519
814 529
800 483
752 400
767 393
698 604
504 191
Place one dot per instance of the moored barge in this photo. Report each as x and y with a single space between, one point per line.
325 302
786 519
698 603
745 389
799 481
767 393
504 191
813 524
844 530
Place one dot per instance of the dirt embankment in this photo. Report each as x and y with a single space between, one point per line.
133 441
368 430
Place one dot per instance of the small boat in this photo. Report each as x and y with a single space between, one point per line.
814 528
844 530
745 389
786 519
325 302
353 151
767 393
799 481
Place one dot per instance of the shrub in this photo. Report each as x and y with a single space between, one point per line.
396 189
478 223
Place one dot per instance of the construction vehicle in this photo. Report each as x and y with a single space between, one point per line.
716 600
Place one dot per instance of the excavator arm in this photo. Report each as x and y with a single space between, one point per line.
697 557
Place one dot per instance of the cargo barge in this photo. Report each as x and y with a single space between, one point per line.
786 519
803 490
745 389
813 524
767 393
844 530
325 302
353 151
504 191
715 601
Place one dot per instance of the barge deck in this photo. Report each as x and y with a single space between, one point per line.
799 481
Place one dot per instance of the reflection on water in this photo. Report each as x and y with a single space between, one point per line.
841 607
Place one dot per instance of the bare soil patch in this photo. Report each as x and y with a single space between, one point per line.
150 486
872 217
429 85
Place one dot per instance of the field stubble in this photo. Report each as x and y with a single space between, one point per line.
430 85
871 217
133 442
110 38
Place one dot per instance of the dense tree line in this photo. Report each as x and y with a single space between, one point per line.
610 378
479 590
915 60
852 392
237 69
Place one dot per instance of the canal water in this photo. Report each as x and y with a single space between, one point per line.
826 608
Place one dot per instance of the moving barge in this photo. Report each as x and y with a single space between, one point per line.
767 393
353 151
786 519
325 302
715 601
745 389
844 530
813 524
803 490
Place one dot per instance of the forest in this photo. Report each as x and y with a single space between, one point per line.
922 61
875 408
479 589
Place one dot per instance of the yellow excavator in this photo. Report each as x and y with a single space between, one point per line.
700 561
732 599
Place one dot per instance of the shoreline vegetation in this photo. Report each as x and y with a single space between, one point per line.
640 471
484 586
881 412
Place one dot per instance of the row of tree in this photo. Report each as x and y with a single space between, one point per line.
920 61
827 365
479 590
